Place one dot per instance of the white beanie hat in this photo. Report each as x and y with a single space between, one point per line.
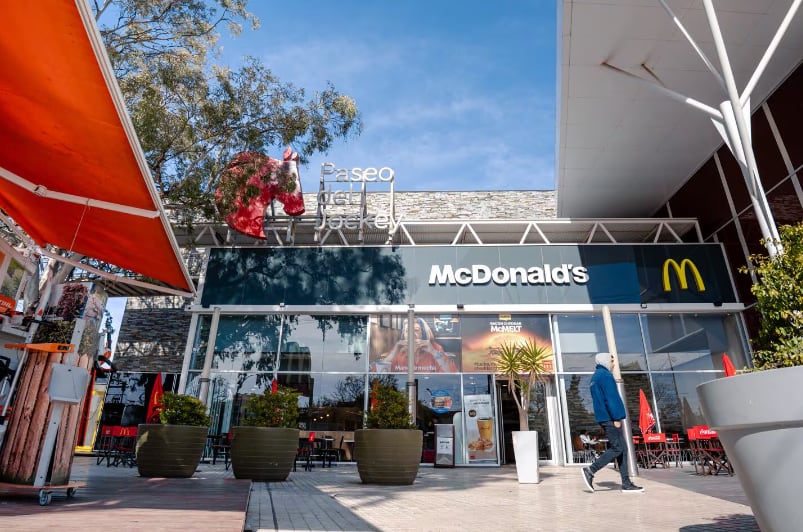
604 360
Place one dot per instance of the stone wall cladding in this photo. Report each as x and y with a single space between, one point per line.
152 339
456 205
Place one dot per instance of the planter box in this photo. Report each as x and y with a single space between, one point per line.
263 453
525 447
169 450
388 456
759 419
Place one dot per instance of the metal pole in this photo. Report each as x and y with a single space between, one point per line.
203 392
412 391
763 214
627 433
278 350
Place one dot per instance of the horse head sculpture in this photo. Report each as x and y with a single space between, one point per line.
273 179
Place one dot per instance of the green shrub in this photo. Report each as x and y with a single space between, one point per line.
278 409
779 296
176 409
389 410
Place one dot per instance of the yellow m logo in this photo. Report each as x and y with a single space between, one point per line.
680 272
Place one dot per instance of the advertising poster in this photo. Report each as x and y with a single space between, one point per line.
434 352
480 428
482 336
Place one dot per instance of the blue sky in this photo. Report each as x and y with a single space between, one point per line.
455 95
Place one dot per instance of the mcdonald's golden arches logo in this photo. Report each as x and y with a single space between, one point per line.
680 272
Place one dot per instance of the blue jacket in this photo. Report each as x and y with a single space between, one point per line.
608 404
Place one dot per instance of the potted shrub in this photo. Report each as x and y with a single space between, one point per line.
758 415
174 446
264 447
389 450
522 364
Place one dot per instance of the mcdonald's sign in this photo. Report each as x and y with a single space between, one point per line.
680 272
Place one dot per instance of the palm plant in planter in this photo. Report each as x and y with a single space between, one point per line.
522 365
264 447
389 450
174 446
758 414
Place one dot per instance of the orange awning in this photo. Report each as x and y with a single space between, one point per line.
72 172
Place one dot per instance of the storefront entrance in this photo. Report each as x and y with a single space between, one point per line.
538 420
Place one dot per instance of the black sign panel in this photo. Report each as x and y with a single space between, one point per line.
473 275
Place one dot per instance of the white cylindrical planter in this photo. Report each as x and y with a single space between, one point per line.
525 446
759 419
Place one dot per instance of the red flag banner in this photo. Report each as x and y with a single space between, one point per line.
156 397
646 421
274 386
730 371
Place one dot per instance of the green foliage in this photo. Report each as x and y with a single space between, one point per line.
779 296
389 410
268 409
176 409
192 115
521 365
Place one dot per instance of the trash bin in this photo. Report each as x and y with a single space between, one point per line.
444 445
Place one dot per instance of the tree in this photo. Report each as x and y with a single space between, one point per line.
521 365
779 299
191 115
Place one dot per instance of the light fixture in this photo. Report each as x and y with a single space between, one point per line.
644 305
460 306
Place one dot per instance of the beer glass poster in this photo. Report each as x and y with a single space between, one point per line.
480 429
482 336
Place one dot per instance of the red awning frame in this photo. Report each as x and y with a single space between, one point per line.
72 172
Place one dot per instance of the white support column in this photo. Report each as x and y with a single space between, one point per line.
749 168
203 392
627 432
412 391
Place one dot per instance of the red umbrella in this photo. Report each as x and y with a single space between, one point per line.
646 420
156 397
730 371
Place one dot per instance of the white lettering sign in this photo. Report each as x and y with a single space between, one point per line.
479 274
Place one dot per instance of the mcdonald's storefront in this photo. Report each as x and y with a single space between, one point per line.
329 321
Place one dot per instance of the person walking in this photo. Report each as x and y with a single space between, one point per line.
609 411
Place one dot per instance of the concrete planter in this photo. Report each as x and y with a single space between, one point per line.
263 453
525 447
759 418
388 456
171 451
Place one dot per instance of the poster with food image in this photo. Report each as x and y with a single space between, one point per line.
482 336
480 428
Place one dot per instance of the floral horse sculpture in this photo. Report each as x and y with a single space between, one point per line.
250 183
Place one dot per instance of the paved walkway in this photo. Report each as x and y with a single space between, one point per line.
491 499
488 499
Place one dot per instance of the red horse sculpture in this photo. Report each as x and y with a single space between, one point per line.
273 178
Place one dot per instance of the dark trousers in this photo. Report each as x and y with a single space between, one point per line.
616 451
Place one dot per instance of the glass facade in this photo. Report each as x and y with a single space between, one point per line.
333 361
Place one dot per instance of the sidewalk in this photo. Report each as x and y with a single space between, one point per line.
116 498
491 499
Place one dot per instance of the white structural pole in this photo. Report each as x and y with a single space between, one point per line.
765 59
627 432
732 121
203 392
412 391
750 170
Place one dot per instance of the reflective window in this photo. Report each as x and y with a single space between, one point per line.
691 342
582 336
